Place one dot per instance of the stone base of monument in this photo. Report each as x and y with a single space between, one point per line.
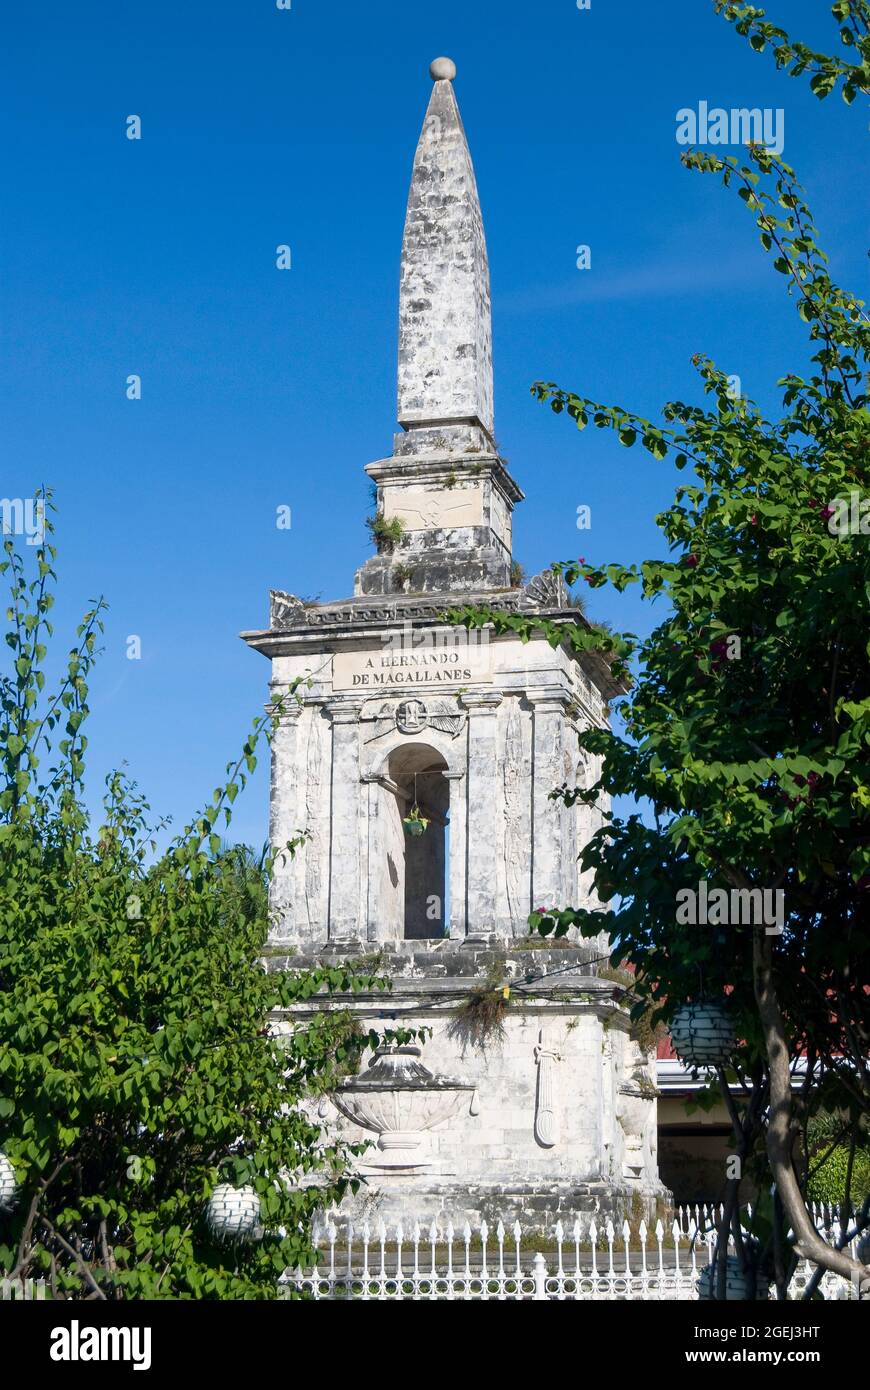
551 1115
398 1155
420 758
536 1206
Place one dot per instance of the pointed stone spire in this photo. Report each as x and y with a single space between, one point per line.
444 497
445 319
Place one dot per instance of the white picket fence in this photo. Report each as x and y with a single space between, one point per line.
589 1260
825 1217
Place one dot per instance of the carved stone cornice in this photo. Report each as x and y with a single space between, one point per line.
288 714
295 628
440 468
481 701
550 698
343 711
544 593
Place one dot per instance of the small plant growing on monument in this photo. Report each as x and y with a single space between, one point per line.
479 1020
402 576
385 534
518 575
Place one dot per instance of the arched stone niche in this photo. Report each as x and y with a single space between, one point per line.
416 779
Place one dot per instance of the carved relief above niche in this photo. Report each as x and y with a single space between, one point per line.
412 716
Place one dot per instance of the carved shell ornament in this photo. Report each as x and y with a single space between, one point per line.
544 590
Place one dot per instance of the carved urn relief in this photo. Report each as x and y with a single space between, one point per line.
399 1100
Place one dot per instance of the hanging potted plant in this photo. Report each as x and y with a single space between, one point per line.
415 822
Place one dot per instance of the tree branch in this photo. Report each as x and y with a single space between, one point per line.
808 1243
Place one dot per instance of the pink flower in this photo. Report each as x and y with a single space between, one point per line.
692 560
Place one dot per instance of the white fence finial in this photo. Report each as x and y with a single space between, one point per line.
667 1273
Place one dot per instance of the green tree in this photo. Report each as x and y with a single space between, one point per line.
837 1167
827 71
139 1064
747 731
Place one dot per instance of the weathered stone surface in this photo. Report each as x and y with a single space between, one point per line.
456 511
446 667
496 718
402 719
422 509
491 1158
445 329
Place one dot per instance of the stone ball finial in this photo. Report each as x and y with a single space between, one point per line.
442 70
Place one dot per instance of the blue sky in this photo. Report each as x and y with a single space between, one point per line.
262 388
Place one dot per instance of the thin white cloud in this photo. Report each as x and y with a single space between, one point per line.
662 280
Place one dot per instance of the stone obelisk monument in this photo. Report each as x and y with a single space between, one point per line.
419 767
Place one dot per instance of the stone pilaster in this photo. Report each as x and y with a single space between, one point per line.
568 816
285 820
380 924
548 773
345 800
373 856
456 869
483 799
